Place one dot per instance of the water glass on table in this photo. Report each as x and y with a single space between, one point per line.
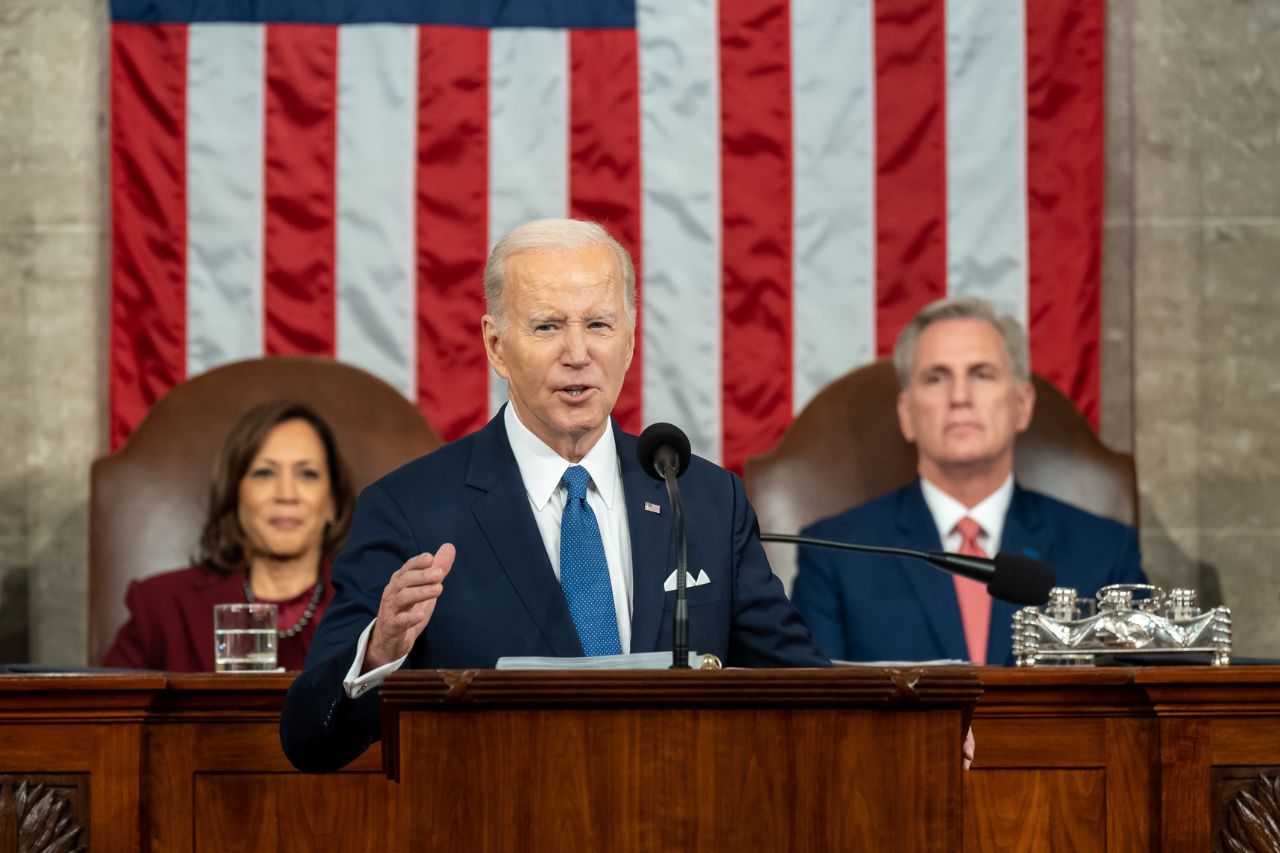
244 637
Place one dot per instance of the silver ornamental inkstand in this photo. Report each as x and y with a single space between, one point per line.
1133 620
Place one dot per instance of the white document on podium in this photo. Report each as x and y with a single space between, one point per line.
902 664
644 660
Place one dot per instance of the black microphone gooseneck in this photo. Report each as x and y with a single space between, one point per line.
664 454
1007 576
680 619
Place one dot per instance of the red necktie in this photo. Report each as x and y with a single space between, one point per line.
975 601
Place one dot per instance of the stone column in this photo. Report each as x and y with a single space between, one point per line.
53 225
1206 136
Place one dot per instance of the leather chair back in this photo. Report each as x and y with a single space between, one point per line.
148 499
845 448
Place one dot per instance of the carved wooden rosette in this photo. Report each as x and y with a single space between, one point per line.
1250 820
43 813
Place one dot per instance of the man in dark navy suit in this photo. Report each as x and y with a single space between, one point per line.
965 394
539 534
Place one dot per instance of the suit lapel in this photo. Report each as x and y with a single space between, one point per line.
651 544
505 519
933 587
1023 534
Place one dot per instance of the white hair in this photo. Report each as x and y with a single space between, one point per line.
552 234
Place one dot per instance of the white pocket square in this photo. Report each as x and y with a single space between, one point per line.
689 581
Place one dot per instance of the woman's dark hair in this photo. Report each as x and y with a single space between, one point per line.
223 545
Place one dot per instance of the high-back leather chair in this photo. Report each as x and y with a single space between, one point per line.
148 499
845 448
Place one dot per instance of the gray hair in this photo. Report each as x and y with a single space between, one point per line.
552 235
961 308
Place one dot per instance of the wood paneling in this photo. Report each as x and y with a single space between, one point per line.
1067 759
1020 810
90 725
218 779
1062 726
44 812
269 811
857 759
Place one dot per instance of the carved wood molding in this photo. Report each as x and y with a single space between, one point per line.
843 687
1251 818
44 814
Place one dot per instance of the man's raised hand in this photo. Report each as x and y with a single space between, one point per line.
408 600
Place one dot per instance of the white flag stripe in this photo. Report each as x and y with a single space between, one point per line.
833 118
680 189
833 136
986 152
528 136
377 146
224 194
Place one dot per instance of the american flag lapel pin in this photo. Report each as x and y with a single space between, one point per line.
650 506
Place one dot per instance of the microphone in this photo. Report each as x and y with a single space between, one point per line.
1009 577
663 447
664 455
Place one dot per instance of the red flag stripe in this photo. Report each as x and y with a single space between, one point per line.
453 192
298 180
1065 180
148 219
748 359
604 161
756 162
911 168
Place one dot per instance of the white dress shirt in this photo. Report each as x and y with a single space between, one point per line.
541 469
990 513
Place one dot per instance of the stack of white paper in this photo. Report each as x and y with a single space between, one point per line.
903 664
646 660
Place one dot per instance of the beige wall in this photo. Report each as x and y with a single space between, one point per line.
52 287
1206 251
1191 245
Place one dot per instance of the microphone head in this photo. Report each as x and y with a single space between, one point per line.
1021 580
661 442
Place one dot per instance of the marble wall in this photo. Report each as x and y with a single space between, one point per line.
1192 242
52 288
1205 113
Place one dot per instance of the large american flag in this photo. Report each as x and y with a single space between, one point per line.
794 180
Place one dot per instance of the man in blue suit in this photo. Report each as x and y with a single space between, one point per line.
965 394
539 534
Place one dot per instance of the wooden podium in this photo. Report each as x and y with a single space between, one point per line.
1073 758
849 759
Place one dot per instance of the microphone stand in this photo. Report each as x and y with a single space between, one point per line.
977 568
1010 577
680 619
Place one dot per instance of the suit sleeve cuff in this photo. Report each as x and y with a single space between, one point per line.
355 684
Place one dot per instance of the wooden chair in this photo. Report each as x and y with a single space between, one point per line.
845 448
148 499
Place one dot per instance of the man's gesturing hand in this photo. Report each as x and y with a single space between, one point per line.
408 601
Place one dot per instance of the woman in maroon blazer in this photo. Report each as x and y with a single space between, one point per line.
279 511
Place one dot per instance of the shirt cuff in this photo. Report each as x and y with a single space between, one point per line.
355 684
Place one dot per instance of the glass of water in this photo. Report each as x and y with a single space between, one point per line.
244 637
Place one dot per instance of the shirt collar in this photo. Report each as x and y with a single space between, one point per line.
990 512
542 468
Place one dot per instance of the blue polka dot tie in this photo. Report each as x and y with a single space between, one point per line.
584 573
